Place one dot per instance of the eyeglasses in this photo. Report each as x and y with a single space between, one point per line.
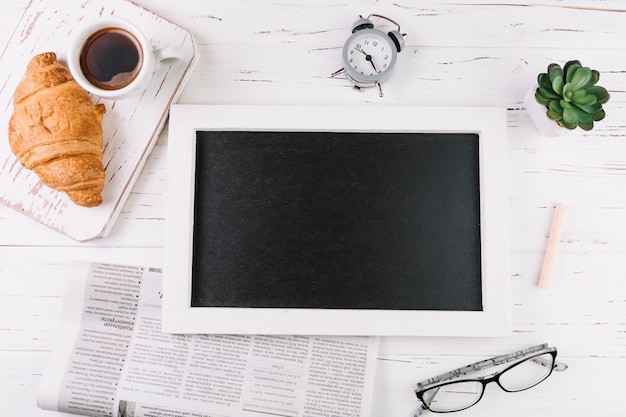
445 393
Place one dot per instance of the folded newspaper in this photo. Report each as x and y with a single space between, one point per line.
112 360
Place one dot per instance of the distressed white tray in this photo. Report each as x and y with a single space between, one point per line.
130 127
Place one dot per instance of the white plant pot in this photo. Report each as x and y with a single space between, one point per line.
537 113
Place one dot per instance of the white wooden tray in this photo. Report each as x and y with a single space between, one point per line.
130 127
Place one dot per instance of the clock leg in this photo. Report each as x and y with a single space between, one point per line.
334 74
380 89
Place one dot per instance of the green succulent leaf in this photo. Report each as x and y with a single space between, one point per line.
565 104
585 120
583 117
590 108
555 111
541 99
595 78
567 92
570 68
557 85
555 107
580 97
581 78
555 71
553 115
600 93
545 86
570 118
599 116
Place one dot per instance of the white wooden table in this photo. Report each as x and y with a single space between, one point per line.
459 53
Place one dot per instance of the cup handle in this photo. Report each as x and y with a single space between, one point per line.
168 56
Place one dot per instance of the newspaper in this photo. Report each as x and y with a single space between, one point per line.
112 360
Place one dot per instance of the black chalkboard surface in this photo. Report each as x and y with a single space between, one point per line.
329 220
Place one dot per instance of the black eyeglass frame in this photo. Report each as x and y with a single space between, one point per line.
520 356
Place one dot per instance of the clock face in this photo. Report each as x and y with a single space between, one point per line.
369 56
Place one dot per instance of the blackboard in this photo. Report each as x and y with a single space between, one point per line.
337 220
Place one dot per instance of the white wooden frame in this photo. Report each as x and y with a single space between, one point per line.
488 123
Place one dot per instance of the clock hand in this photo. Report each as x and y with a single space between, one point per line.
368 57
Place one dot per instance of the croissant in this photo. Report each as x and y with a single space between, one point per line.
56 131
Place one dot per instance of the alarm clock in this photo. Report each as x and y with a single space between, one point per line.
369 55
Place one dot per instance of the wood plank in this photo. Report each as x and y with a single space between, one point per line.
325 23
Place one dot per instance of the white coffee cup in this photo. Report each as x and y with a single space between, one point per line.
111 58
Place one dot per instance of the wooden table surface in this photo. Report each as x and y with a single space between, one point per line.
458 53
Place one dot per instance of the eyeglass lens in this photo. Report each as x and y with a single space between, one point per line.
456 396
453 397
527 374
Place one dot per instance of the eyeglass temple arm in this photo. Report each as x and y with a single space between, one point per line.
497 360
422 408
558 366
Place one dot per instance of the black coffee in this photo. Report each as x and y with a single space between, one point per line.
111 58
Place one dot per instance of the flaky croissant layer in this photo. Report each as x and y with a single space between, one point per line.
56 131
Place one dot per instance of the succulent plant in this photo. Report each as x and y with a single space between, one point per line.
571 95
